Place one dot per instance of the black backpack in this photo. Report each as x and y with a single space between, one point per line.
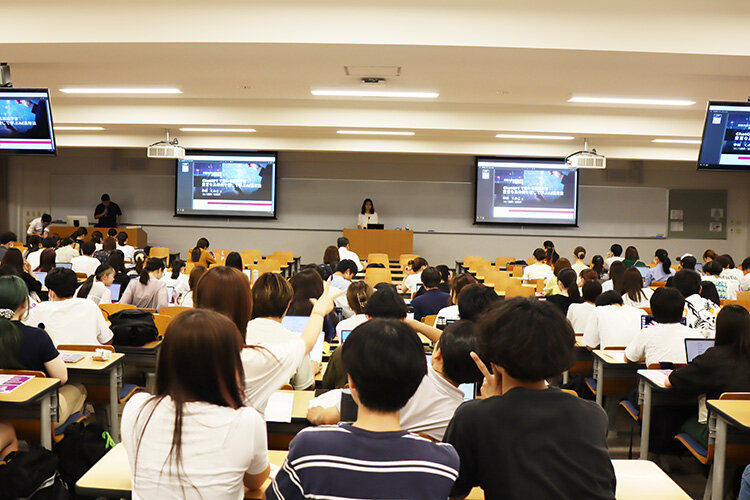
133 327
32 475
82 446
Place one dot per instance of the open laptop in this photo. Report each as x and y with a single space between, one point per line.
696 347
296 324
170 294
345 335
375 226
66 265
643 270
41 276
114 291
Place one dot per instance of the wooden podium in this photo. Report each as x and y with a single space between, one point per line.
367 241
137 237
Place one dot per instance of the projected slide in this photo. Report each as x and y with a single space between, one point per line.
726 137
25 122
226 183
526 191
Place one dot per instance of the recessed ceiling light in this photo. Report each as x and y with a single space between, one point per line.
536 137
631 100
75 127
677 141
80 90
375 93
207 129
374 132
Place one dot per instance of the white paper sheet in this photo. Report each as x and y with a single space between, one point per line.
279 408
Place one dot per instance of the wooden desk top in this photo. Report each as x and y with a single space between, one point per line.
111 476
301 403
88 363
636 480
613 357
30 391
736 412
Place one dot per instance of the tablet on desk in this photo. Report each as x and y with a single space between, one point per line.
114 291
297 324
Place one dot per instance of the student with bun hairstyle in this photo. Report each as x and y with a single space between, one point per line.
523 342
148 291
540 268
200 254
25 347
662 269
579 253
412 281
357 295
197 412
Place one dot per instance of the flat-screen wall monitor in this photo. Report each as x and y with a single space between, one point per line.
226 183
26 122
525 191
726 137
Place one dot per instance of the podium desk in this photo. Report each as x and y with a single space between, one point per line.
137 237
367 241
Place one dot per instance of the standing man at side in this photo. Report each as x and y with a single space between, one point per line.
107 212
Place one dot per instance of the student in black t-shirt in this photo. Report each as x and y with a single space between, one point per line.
107 212
23 347
525 440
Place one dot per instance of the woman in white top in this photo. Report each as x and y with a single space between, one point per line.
633 293
356 296
611 323
177 280
267 368
579 253
579 314
368 215
451 312
412 281
148 291
194 438
186 300
95 286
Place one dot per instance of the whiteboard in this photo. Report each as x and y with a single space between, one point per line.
333 204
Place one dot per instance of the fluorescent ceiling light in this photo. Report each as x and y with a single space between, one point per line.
105 90
374 93
536 137
631 100
207 129
75 127
677 141
374 132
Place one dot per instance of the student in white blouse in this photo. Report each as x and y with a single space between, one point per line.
611 323
357 295
579 314
633 293
368 215
122 244
95 288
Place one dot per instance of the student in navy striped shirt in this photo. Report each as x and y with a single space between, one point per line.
374 457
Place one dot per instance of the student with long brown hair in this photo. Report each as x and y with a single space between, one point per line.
194 438
270 366
633 293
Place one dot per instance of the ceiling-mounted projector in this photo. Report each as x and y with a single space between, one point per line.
167 149
586 158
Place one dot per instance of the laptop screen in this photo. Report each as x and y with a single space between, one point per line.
114 291
345 335
696 347
469 389
65 265
643 270
170 293
41 276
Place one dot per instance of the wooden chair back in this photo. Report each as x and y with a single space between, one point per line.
375 275
472 259
515 290
379 258
82 276
159 253
283 256
29 430
30 373
172 311
658 284
538 284
250 257
657 366
517 272
430 320
189 266
269 265
502 262
743 296
162 322
110 309
404 259
85 347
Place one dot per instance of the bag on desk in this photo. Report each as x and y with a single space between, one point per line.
82 446
32 475
133 327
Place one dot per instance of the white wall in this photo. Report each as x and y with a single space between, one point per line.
33 184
